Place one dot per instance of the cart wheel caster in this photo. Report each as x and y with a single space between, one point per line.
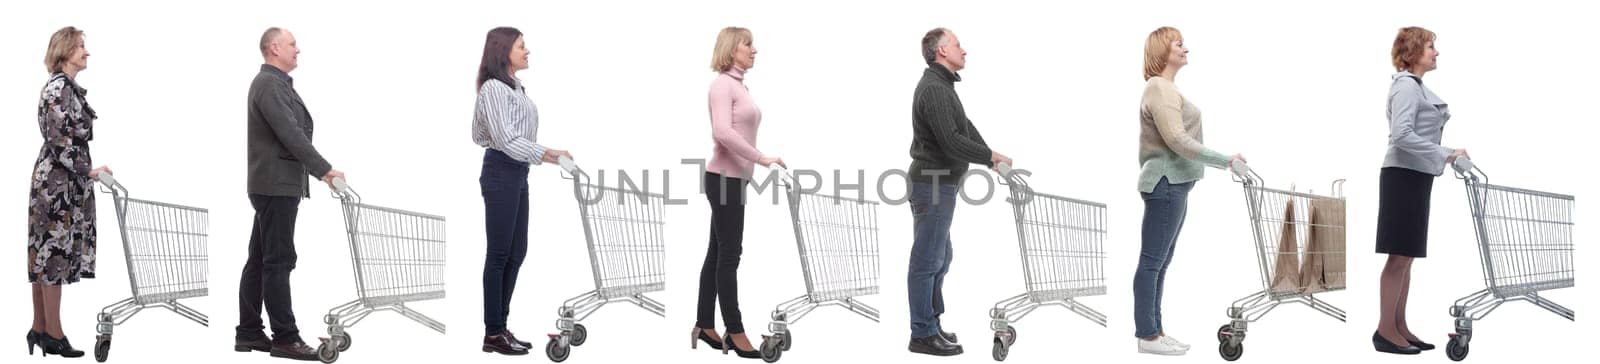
1455 349
1224 332
343 339
102 348
771 350
557 352
327 353
1011 334
1230 352
786 340
1001 349
580 335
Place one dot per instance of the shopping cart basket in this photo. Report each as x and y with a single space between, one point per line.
1525 243
165 246
1063 255
838 242
398 258
626 235
1286 224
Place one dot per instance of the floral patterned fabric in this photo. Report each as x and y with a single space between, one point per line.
61 216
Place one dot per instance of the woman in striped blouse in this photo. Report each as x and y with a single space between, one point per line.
506 124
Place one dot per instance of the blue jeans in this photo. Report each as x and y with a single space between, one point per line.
1165 208
932 208
504 182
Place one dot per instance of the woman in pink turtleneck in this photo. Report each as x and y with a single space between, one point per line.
734 119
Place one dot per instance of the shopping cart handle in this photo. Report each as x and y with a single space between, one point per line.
567 165
783 174
105 178
1239 167
339 185
1003 168
1463 165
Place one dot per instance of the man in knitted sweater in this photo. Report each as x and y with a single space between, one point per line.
943 143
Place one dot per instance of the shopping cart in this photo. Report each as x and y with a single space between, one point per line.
398 258
1063 256
1283 225
165 247
838 241
1525 243
626 234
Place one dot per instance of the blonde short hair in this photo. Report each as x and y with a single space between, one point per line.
1156 49
1409 45
62 44
728 41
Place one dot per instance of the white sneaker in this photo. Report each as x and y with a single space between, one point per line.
1174 342
1159 347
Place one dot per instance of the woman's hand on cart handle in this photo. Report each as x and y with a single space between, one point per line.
1459 154
1461 161
567 164
554 155
335 180
769 161
101 171
1238 165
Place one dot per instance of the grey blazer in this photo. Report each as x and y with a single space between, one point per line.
1416 127
280 151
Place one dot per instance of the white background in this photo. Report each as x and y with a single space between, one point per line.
1297 88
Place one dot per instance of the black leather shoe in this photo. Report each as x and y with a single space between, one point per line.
503 344
727 340
948 336
934 345
1421 345
245 346
699 335
514 339
33 340
294 351
1383 345
58 346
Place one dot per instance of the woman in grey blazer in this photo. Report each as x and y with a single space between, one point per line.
1414 157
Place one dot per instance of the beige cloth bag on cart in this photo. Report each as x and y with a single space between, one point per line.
1324 265
1286 270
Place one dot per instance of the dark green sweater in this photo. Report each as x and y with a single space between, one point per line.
943 140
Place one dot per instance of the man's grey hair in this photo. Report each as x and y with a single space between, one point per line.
268 37
931 42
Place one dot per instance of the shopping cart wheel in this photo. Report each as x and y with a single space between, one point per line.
1001 349
785 340
580 335
771 351
327 353
344 341
1230 352
557 352
1224 332
1011 336
1455 349
102 348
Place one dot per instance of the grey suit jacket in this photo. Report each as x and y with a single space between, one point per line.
280 151
1416 127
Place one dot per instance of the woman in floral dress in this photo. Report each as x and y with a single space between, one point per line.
61 216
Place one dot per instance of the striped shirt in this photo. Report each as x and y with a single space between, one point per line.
506 119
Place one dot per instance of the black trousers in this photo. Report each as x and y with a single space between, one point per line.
719 275
504 182
265 280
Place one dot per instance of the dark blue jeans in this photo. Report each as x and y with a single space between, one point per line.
1165 208
504 182
932 209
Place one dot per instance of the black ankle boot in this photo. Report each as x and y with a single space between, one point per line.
58 346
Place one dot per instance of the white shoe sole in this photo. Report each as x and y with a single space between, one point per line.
1166 353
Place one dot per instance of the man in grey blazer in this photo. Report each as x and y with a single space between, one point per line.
281 157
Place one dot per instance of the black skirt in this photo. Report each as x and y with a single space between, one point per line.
1403 203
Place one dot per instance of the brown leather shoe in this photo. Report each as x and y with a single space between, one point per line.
503 344
295 351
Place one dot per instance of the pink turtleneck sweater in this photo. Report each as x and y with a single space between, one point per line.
734 120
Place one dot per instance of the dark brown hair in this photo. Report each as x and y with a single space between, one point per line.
497 56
